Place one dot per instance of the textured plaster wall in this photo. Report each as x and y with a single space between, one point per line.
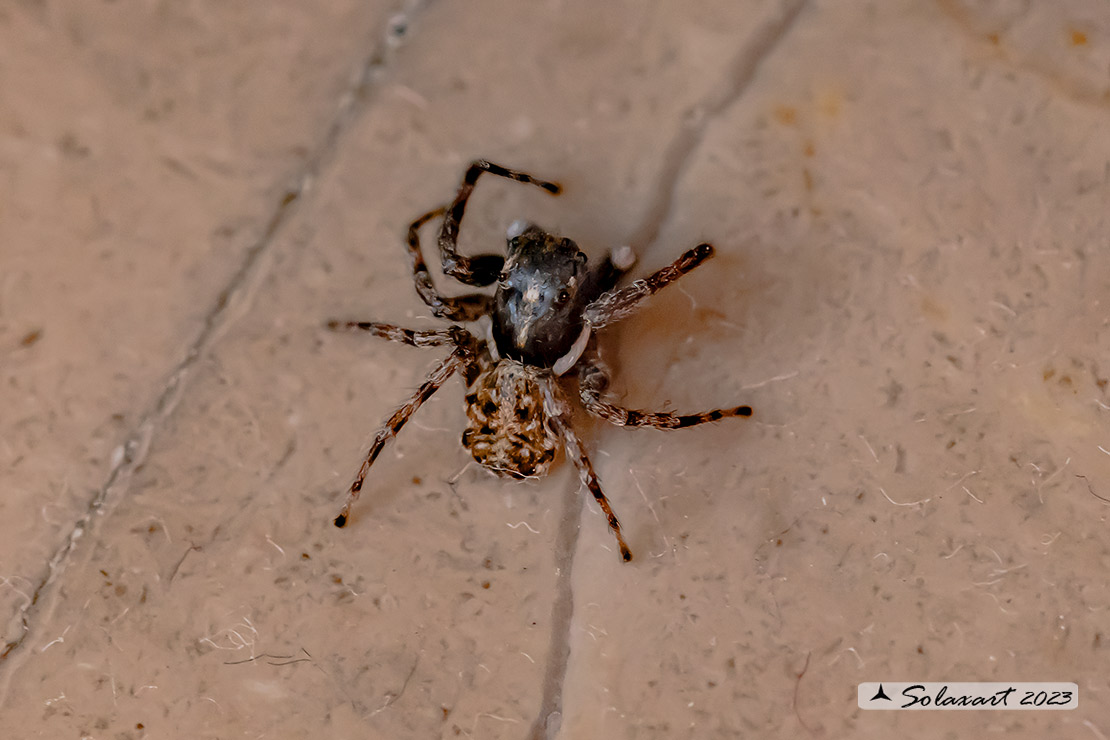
909 205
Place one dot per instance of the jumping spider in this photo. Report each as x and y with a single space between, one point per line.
542 316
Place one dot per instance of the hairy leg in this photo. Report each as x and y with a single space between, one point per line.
593 380
559 413
617 262
413 337
461 358
602 278
453 308
482 269
618 304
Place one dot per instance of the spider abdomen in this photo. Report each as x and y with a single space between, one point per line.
507 430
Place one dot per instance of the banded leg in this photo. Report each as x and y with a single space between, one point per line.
618 304
602 278
482 269
439 375
605 276
456 308
559 414
593 380
413 337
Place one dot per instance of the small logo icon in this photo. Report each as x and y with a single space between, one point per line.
880 694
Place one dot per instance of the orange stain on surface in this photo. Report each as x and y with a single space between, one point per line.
786 115
829 103
1078 38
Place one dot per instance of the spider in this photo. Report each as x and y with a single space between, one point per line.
541 318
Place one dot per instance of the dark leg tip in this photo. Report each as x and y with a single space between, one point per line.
743 410
552 187
703 251
626 554
341 520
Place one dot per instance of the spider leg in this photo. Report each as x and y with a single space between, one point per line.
456 308
593 380
602 278
618 304
605 276
482 269
460 358
559 414
411 337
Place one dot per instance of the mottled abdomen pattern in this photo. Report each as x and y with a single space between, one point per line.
507 429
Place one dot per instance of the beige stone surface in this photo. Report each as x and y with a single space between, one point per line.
908 201
143 149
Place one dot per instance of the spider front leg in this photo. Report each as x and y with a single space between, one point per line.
413 337
559 414
484 268
593 380
452 308
618 304
462 357
601 279
618 261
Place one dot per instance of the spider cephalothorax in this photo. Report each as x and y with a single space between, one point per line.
547 303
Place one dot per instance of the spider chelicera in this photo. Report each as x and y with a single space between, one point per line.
547 304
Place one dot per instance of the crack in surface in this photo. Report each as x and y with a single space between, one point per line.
696 119
760 45
236 294
547 723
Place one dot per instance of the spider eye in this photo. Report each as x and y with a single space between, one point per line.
562 298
